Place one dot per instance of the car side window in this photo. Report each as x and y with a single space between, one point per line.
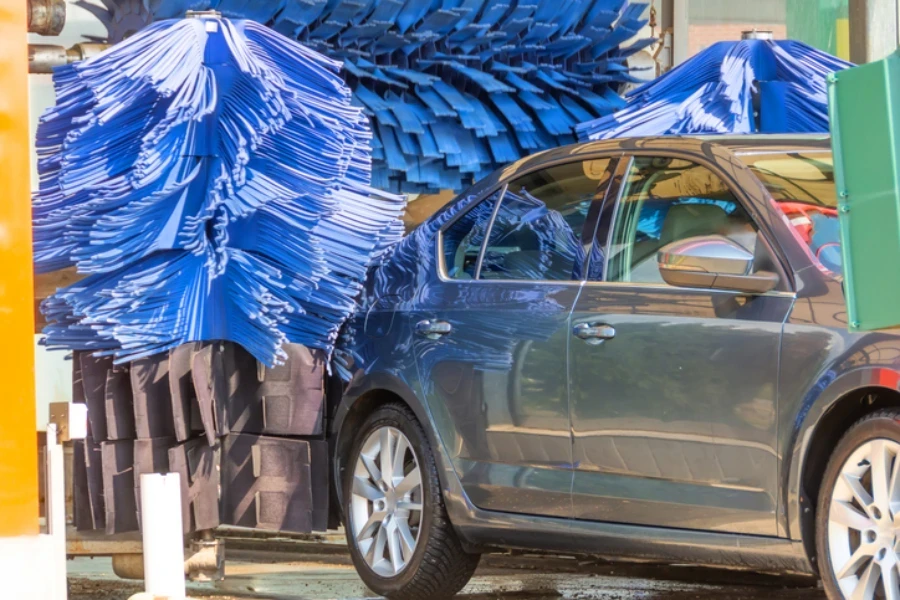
666 200
463 239
537 234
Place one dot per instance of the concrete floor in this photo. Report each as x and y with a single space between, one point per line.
261 575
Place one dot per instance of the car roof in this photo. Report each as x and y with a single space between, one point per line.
737 143
770 142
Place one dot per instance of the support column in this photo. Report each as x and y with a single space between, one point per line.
874 28
680 24
18 429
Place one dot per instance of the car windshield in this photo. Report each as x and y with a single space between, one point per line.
802 184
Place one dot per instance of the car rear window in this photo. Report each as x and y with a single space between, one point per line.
802 184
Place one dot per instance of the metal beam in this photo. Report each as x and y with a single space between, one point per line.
680 24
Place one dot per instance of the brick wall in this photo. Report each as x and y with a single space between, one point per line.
703 35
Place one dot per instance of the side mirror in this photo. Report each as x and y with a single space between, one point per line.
715 262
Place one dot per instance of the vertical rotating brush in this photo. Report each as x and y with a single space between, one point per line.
211 179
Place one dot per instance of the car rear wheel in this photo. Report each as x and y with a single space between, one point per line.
400 538
858 518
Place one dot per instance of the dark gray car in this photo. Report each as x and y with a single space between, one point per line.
634 348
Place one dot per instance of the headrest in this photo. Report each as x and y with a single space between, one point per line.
689 220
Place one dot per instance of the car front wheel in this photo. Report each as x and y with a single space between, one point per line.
401 541
858 518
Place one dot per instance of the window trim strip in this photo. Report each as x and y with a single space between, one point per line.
487 232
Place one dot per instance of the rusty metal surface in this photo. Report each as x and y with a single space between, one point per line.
97 543
128 566
46 17
42 58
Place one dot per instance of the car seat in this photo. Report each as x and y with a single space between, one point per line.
682 221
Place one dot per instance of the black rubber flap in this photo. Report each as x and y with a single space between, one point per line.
292 395
266 483
198 465
93 378
87 485
244 410
119 404
118 486
319 454
152 402
208 375
286 399
77 382
181 390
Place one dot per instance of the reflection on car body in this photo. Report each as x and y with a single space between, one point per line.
578 379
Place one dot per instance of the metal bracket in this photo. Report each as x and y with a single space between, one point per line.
200 14
70 420
207 558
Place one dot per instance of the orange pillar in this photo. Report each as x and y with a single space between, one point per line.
18 429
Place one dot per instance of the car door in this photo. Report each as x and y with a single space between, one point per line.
673 390
492 330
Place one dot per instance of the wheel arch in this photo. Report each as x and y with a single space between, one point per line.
359 401
847 399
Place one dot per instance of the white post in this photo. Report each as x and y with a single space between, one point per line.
162 535
55 498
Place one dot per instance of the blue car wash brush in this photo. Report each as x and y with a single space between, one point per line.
454 88
211 178
750 86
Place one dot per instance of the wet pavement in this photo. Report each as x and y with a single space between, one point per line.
261 575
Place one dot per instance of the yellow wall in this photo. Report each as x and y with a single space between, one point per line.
842 33
18 438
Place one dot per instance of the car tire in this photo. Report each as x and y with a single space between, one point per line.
381 521
855 539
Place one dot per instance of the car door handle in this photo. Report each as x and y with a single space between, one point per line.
433 329
594 333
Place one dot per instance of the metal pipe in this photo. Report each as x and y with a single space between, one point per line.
680 31
42 58
85 50
46 17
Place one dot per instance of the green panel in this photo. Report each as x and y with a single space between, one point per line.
815 22
757 12
865 113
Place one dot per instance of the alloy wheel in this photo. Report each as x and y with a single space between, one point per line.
864 522
386 501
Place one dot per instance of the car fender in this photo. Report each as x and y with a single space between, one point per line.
365 383
828 390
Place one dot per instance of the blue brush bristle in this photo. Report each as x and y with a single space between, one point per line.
212 178
465 62
715 92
